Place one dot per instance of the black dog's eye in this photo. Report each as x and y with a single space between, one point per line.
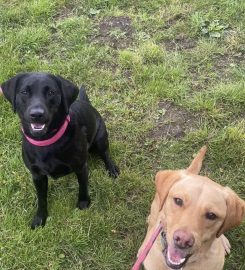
210 216
24 92
178 201
51 92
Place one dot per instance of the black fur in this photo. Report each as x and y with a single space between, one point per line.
45 100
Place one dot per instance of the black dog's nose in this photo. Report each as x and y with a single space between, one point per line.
36 113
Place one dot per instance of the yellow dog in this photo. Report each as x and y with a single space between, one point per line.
195 212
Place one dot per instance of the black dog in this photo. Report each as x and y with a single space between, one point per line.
58 131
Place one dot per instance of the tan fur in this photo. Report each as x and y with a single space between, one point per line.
200 195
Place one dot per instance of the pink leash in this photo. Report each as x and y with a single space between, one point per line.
53 139
147 248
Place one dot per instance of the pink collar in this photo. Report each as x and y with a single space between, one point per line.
147 248
53 139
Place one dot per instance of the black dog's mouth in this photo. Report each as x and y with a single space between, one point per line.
175 258
38 129
37 126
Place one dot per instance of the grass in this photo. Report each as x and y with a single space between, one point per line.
136 58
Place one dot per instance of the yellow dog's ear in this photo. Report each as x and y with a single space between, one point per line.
164 181
235 211
196 163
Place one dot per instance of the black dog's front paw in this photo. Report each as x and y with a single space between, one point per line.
38 221
83 204
113 171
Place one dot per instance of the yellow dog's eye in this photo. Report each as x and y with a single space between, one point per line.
178 201
211 216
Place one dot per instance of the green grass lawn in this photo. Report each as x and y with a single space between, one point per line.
167 76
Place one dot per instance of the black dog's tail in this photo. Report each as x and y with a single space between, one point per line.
82 95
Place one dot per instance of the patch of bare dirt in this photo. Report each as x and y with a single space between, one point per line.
64 13
116 32
181 42
223 63
172 21
199 81
221 70
174 122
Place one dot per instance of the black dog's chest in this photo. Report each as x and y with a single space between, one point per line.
53 163
59 159
55 169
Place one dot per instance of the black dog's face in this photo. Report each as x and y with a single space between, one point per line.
37 101
41 100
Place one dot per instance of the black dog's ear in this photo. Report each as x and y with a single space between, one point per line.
69 92
9 89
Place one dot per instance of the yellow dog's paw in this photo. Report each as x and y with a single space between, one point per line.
226 244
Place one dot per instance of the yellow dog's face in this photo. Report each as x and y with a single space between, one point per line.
194 211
